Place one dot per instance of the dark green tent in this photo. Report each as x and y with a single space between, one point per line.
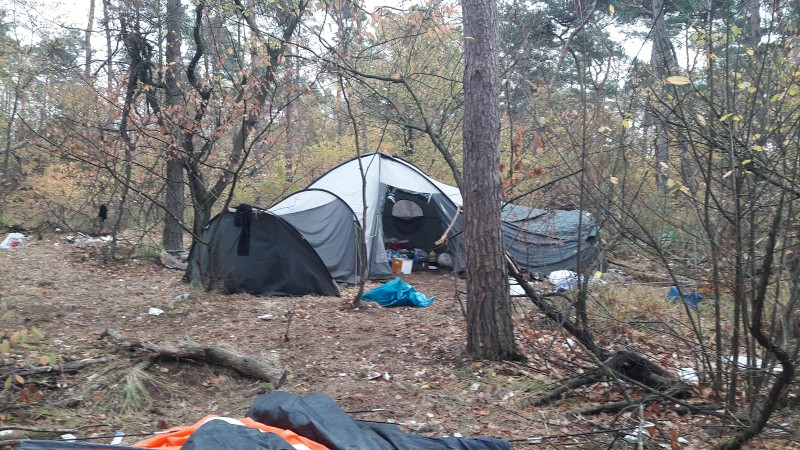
259 253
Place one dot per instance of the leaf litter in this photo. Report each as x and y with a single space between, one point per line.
400 365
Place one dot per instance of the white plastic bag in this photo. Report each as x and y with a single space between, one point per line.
13 240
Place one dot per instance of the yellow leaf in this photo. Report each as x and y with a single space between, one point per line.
746 162
670 182
737 118
727 174
751 89
725 117
5 346
678 80
757 136
614 180
758 148
750 52
611 9
8 383
626 123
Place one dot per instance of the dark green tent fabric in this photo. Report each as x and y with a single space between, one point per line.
277 260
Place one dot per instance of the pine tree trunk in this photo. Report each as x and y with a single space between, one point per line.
87 70
490 333
173 231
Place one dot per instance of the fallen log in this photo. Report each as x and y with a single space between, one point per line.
247 365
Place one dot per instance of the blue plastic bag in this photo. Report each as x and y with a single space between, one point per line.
691 299
397 293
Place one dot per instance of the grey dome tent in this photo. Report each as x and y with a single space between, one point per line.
405 205
311 212
259 253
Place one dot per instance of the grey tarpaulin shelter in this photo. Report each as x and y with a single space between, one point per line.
543 240
406 205
259 253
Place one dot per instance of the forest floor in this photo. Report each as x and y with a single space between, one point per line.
57 298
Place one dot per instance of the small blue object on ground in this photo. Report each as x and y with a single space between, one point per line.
691 298
397 293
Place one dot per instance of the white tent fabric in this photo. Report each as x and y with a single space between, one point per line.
344 182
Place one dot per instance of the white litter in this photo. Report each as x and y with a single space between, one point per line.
13 240
688 375
566 280
155 311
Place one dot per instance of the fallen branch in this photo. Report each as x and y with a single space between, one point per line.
574 383
625 365
69 367
38 430
246 365
613 407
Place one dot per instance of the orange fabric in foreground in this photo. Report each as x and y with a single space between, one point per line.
174 438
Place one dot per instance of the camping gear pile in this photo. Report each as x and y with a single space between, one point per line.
285 421
311 239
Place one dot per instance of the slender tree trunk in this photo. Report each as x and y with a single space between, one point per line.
109 52
87 71
291 146
490 333
9 131
661 60
174 202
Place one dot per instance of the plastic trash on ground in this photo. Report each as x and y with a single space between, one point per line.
13 240
445 260
567 280
691 298
397 293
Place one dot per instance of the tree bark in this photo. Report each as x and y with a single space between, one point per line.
661 60
174 201
109 49
87 70
9 131
490 332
